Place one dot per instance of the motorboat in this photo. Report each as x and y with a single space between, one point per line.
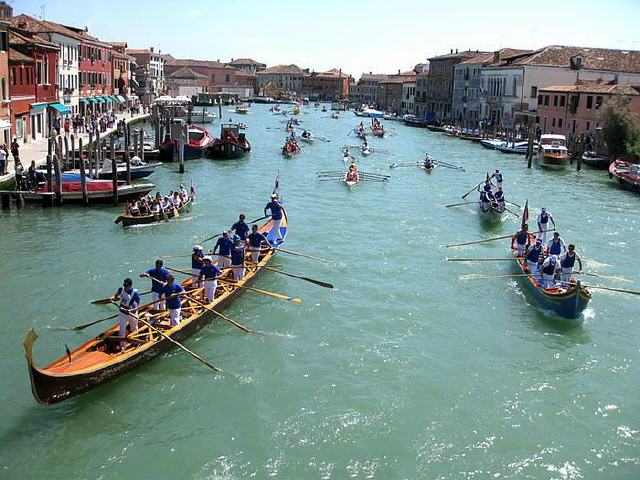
552 152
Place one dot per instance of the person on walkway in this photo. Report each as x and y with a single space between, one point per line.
223 246
158 276
171 293
15 151
556 245
275 208
256 239
237 258
550 267
240 227
567 261
533 255
129 301
3 159
67 126
543 220
32 176
208 274
521 240
196 264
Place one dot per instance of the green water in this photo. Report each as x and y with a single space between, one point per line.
403 371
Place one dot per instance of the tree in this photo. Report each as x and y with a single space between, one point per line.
620 128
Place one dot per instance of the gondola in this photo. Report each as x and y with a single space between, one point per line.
129 221
493 212
96 362
566 300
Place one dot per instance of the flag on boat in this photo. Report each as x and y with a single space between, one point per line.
525 214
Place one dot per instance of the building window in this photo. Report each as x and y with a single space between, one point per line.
589 102
598 102
553 122
546 99
3 42
560 122
226 78
555 100
539 99
534 93
562 100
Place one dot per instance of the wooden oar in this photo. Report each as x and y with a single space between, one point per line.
609 277
493 238
512 212
306 279
513 203
476 187
220 234
487 277
104 301
224 317
175 342
298 254
611 289
457 204
481 259
118 220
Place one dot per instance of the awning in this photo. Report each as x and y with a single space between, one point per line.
84 100
37 106
119 99
92 99
99 99
61 109
4 124
112 98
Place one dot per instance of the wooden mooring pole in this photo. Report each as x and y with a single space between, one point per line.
114 168
83 177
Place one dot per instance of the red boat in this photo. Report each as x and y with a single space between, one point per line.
290 148
627 173
231 144
198 139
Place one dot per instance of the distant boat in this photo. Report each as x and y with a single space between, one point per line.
242 110
594 160
552 152
369 112
491 143
413 121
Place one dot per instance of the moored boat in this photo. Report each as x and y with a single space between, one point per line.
231 145
242 109
413 121
137 167
198 139
513 147
369 112
627 174
552 152
97 361
491 143
130 220
594 160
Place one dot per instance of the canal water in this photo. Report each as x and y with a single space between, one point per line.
408 369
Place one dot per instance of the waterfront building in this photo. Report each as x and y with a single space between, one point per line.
5 112
409 97
287 78
365 91
186 81
439 92
33 90
511 83
149 73
422 80
218 74
67 71
572 110
247 65
389 95
329 86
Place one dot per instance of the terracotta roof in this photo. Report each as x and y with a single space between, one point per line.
186 72
16 56
138 51
464 54
244 61
240 73
21 37
290 69
486 58
605 59
188 62
118 44
593 87
373 76
404 78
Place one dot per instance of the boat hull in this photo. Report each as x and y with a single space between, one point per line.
493 214
125 193
128 221
226 151
620 170
553 162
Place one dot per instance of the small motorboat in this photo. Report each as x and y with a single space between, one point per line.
231 145
552 152
491 143
594 160
335 115
413 121
513 147
138 169
242 109
365 150
197 140
627 174
369 112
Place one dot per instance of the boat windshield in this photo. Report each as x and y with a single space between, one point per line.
196 135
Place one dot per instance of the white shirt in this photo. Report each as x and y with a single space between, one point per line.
3 155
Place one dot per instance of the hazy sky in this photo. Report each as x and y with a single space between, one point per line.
355 35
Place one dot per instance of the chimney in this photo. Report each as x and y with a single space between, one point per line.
86 29
151 49
496 56
451 51
456 50
398 71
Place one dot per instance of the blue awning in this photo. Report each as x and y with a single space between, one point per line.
61 109
92 99
120 98
84 100
37 106
99 99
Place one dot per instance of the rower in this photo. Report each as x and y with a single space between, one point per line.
129 301
428 161
498 176
158 276
550 267
499 196
567 261
556 245
171 292
521 239
237 258
484 199
543 223
223 245
275 207
196 264
240 227
352 174
256 239
209 273
487 185
533 255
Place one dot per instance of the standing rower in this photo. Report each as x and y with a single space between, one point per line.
275 207
171 292
521 239
533 255
567 261
240 227
543 223
158 276
224 245
556 245
209 274
129 301
237 258
550 267
256 239
196 264
498 176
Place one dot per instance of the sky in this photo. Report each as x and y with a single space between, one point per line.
355 35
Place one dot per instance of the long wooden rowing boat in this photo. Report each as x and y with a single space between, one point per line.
96 362
493 213
567 300
129 220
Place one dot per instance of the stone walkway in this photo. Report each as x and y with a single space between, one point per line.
37 150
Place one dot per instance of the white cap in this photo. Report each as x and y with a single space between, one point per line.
274 195
197 247
207 257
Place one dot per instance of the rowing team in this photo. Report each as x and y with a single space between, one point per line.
547 263
232 254
352 174
154 205
490 193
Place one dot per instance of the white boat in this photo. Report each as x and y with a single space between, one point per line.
182 107
365 150
309 138
513 147
202 116
491 143
369 112
552 152
335 115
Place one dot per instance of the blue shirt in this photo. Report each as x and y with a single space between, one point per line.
241 229
225 245
134 300
534 253
237 256
158 275
256 239
168 290
555 247
210 271
275 208
196 259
